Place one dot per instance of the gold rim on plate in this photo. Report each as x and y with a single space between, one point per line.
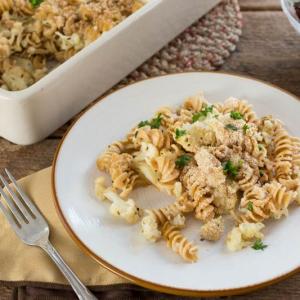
134 279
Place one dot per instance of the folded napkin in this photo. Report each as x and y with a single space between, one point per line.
19 262
27 273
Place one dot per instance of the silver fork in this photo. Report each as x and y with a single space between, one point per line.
32 228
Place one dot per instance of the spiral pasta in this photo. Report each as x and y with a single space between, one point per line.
122 173
247 177
270 201
178 243
254 149
204 210
214 160
105 160
185 116
283 154
268 126
241 106
195 104
157 137
21 7
256 215
170 213
54 29
186 203
280 199
296 151
6 5
166 169
255 195
168 117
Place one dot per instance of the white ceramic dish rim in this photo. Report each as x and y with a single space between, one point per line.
23 95
149 284
292 18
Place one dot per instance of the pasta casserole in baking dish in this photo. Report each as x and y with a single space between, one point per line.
36 35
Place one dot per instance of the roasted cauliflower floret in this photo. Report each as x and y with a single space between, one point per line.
244 235
212 230
100 187
150 228
120 208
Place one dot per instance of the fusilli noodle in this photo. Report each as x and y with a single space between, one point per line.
214 160
55 30
178 243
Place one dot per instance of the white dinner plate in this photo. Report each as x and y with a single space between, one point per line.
120 247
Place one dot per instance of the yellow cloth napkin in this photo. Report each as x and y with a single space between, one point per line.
19 262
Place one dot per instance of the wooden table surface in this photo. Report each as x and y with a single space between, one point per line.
269 49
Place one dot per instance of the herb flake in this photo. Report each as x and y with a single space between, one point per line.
143 123
35 3
154 123
245 128
250 206
200 116
236 115
231 127
182 161
230 169
179 133
259 245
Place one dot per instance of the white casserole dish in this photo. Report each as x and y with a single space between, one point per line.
30 115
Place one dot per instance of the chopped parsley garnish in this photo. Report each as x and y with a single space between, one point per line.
250 206
236 115
35 3
179 133
143 123
230 169
245 128
209 109
231 127
182 161
260 147
200 116
259 245
154 123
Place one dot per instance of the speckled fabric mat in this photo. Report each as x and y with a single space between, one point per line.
203 46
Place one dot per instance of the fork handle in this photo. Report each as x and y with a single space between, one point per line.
81 291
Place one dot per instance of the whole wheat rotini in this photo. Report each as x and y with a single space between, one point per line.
214 160
54 30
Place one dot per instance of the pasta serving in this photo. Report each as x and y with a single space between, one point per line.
36 35
215 160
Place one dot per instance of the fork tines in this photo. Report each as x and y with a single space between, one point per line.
18 205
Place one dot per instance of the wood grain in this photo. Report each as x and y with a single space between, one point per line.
5 293
25 160
268 50
257 5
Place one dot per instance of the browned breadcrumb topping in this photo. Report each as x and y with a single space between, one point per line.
31 37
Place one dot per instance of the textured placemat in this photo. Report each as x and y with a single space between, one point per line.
203 46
